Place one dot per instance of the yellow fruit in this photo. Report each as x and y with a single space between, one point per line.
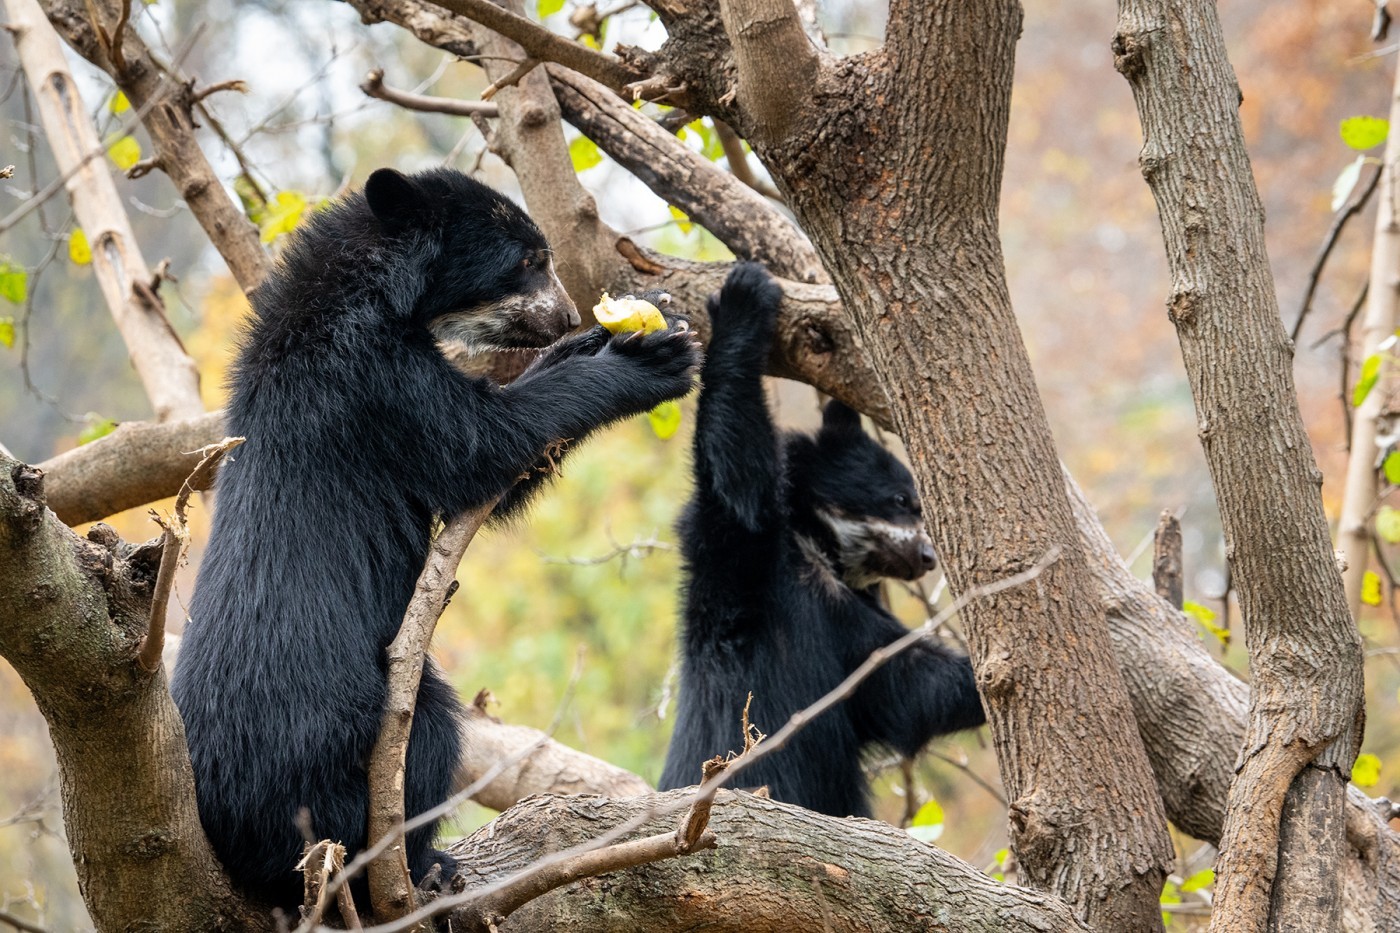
622 315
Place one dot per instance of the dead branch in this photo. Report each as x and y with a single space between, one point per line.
541 44
391 893
167 373
172 130
1166 559
510 80
375 87
174 539
1334 233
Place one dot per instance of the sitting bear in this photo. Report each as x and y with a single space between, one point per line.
784 541
359 433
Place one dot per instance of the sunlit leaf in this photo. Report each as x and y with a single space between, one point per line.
682 221
1391 468
927 824
1346 183
125 152
97 427
1370 372
584 154
253 204
589 41
14 280
283 214
665 419
1364 132
1367 770
119 103
1205 617
1371 588
1388 524
550 7
1171 894
1001 855
7 331
78 249
1199 881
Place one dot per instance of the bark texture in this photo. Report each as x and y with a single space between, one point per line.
777 869
73 613
1305 653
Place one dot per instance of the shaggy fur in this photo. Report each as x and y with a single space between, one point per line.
359 432
783 542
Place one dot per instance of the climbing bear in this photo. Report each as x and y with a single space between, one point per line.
784 540
359 432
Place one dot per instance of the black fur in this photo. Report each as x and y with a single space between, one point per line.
359 432
783 541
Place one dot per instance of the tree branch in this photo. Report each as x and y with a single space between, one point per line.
776 62
168 375
172 130
1334 233
375 87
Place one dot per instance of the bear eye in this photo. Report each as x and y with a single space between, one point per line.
528 262
901 500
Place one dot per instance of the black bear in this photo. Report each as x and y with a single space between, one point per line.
784 540
358 433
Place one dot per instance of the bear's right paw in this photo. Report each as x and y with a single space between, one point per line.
670 359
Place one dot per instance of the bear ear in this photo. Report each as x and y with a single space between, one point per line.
392 196
840 421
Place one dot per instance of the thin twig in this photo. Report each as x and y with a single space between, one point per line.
173 539
1339 222
9 918
510 80
375 87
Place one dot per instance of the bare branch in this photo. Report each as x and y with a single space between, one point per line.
541 44
167 373
1166 559
390 893
375 87
776 62
510 80
174 538
1339 222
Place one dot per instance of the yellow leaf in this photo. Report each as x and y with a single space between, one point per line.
682 220
665 419
7 331
119 103
78 249
1371 588
125 152
584 154
1367 770
283 215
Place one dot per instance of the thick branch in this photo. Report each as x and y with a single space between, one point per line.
1305 653
167 373
172 128
776 62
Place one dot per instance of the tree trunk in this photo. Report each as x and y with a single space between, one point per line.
1305 653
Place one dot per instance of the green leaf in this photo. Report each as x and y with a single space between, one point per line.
14 280
119 103
253 204
1371 588
283 214
1388 524
1391 468
1199 881
927 824
584 154
665 419
125 152
97 427
1001 855
78 249
1205 617
1171 894
1367 770
682 221
1370 372
1364 132
550 7
7 331
1346 183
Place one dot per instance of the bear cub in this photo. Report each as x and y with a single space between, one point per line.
359 432
784 541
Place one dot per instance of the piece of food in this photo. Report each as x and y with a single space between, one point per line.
622 315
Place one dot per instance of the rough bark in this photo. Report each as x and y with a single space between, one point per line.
1377 325
893 168
73 613
777 869
1305 653
167 373
1166 560
171 125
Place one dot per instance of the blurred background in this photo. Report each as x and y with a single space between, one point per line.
571 616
